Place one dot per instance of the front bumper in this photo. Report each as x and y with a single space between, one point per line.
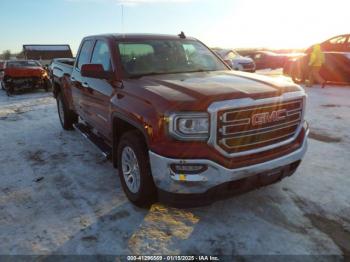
23 81
166 180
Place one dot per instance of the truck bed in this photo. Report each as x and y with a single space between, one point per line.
62 67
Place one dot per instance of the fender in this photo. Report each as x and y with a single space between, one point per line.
115 138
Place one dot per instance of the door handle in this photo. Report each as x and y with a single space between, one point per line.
86 85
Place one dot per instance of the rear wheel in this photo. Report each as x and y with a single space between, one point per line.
134 169
67 117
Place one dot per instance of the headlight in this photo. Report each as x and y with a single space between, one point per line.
189 126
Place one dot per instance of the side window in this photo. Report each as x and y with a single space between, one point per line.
101 55
338 40
84 55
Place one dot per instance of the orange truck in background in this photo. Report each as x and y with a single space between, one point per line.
17 74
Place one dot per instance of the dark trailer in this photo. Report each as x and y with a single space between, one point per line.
46 52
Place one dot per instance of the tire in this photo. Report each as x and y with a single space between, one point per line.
9 90
66 116
47 85
8 87
298 79
140 188
297 75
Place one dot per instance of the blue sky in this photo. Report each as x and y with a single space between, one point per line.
227 23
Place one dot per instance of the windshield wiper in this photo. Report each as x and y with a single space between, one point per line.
148 74
168 73
199 71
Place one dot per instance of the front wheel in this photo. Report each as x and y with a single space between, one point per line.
9 88
47 85
134 169
67 117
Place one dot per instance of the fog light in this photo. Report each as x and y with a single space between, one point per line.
188 169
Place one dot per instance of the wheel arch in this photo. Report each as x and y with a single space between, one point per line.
120 125
56 88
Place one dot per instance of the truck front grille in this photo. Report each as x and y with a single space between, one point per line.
250 128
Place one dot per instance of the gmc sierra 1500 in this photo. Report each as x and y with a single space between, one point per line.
175 120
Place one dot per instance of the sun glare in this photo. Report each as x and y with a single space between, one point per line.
280 24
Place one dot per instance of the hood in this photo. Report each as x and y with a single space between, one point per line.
24 72
196 91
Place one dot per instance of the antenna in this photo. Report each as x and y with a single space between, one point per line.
182 35
123 32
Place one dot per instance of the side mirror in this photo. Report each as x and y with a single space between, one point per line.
95 71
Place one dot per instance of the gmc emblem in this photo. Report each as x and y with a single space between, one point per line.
265 118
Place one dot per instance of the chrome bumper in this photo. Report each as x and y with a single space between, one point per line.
215 175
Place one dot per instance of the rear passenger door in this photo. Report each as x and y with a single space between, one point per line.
77 80
98 92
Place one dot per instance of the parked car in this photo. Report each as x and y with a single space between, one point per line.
236 61
340 43
268 59
20 74
336 68
176 121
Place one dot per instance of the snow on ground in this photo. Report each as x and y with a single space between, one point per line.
59 196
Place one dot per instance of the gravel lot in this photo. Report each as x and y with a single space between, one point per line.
59 196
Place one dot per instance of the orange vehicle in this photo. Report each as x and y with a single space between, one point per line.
23 74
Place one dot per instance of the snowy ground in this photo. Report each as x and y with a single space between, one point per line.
59 196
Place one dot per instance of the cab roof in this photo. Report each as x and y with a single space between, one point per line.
140 37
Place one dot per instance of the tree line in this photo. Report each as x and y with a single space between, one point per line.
7 54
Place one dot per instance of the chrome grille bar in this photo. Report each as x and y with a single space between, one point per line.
255 139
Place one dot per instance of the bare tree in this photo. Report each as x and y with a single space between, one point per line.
6 55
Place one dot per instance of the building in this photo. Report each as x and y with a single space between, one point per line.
45 53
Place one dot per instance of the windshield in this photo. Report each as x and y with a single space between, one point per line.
16 64
167 56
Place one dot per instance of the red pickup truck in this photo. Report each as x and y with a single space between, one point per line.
176 121
20 74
